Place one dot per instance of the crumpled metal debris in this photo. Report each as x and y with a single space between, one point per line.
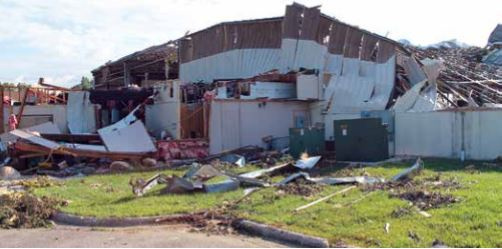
234 159
201 172
332 180
419 164
307 163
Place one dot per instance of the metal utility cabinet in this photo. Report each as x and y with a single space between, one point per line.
310 140
361 140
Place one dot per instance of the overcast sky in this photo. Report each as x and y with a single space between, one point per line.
63 40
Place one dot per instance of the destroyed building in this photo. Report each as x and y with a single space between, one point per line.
301 70
303 82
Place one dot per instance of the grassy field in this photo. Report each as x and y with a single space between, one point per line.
356 218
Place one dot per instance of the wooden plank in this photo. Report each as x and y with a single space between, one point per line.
21 110
324 198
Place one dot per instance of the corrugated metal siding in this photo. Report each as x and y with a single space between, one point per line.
239 63
362 85
240 123
297 54
415 101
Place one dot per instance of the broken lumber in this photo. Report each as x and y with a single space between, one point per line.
324 198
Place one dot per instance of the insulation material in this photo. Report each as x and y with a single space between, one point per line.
119 140
271 90
234 64
420 98
80 113
183 149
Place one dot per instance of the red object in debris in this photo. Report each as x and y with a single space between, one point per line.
13 122
182 149
209 96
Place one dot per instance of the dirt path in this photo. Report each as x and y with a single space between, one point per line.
153 236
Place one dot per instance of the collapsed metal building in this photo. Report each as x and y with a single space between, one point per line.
264 76
251 82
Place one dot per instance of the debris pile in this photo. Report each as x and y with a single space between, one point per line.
301 187
464 80
426 200
23 210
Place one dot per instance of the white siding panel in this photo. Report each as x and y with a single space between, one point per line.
239 63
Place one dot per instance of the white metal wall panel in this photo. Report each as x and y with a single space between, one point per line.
362 86
296 54
240 123
483 137
238 63
432 134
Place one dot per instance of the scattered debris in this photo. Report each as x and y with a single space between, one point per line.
401 211
9 173
471 168
438 244
426 200
149 162
307 162
120 166
412 235
301 187
23 210
409 172
234 159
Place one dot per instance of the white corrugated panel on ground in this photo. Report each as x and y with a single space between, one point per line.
234 64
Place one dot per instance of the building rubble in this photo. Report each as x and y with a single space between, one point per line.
262 92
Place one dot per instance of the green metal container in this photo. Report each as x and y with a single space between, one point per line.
361 140
310 140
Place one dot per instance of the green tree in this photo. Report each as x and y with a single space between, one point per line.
85 83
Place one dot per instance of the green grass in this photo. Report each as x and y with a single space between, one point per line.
111 196
472 222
